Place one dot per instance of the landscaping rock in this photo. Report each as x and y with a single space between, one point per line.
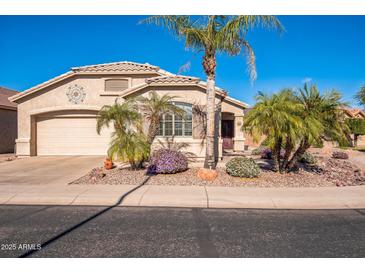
96 174
328 172
207 174
342 172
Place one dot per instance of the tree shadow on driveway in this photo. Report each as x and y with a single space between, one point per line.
73 228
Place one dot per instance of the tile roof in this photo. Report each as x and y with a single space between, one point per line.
128 67
117 66
354 112
5 93
175 79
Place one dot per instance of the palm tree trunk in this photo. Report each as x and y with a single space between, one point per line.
276 154
209 155
304 145
152 130
288 149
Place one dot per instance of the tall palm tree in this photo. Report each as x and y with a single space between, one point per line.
215 34
360 96
153 107
275 116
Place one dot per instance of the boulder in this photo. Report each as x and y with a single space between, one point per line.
207 174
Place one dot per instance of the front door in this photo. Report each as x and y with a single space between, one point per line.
227 134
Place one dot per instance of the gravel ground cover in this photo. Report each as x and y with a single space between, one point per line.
328 172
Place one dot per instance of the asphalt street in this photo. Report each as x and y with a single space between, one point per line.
82 231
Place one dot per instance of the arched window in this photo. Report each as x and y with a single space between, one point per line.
116 84
175 125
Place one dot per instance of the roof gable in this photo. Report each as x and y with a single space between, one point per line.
354 112
165 78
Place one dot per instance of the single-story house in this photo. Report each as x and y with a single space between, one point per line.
58 117
8 121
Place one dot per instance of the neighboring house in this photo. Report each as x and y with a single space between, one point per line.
249 141
8 121
355 113
58 117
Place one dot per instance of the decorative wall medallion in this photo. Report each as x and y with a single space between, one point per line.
76 94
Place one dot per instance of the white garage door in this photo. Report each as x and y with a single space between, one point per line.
71 136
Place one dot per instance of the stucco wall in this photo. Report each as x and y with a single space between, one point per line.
8 130
54 98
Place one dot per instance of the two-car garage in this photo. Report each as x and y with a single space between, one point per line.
70 133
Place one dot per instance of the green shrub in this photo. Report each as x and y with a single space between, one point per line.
356 125
307 158
242 167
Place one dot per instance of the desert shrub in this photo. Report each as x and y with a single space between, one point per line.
307 158
242 167
266 153
167 161
340 155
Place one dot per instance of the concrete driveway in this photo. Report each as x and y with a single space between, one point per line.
46 170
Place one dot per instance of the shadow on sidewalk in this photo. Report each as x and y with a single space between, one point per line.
71 229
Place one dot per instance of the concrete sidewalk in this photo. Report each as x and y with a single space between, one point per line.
186 196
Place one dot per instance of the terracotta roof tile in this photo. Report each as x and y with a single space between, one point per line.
176 79
354 112
5 93
117 66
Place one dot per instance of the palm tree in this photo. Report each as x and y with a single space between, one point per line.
153 108
121 115
294 121
360 96
129 146
275 116
321 117
128 142
211 35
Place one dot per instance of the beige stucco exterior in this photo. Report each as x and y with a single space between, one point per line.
50 99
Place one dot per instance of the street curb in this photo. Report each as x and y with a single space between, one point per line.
352 197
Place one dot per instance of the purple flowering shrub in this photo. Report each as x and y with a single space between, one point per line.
167 161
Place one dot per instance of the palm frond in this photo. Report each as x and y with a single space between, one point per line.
360 96
172 23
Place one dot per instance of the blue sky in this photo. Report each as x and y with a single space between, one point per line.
328 50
